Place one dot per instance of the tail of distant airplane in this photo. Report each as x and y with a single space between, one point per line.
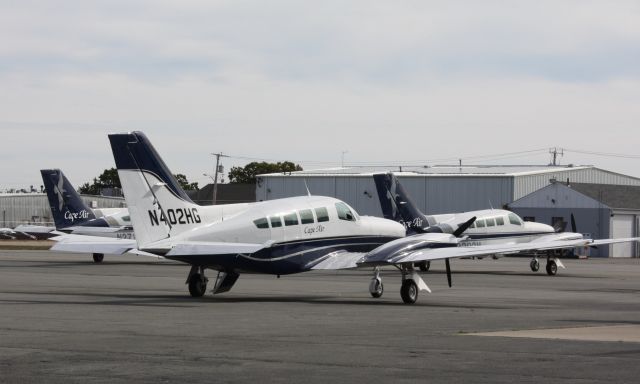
397 205
67 207
158 206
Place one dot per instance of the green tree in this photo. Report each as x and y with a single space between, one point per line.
109 179
247 174
184 183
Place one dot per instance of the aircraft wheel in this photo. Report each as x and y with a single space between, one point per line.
552 268
197 285
98 257
376 288
424 265
409 291
535 265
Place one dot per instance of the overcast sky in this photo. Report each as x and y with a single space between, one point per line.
387 81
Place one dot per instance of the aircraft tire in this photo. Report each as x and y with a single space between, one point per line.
98 257
197 285
424 265
409 291
534 265
552 268
377 289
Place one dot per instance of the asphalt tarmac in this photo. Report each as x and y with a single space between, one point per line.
64 319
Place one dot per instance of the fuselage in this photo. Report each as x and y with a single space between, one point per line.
298 232
494 226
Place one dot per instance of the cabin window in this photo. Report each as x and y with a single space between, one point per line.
261 222
491 222
306 216
291 219
126 218
499 221
275 221
344 213
514 219
480 223
322 214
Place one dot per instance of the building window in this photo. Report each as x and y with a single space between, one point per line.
529 218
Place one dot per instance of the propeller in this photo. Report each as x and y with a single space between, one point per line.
458 232
573 224
446 263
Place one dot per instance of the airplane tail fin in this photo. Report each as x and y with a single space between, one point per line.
67 207
398 206
158 206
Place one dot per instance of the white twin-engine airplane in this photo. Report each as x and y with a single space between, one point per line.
277 237
72 215
477 233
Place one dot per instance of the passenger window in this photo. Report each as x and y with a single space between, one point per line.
291 219
275 221
344 213
514 219
491 222
499 220
306 217
261 222
480 223
126 218
322 214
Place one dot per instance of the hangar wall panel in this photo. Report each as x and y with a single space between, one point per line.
34 208
622 226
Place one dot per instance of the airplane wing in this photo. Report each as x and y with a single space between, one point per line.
338 260
92 244
449 249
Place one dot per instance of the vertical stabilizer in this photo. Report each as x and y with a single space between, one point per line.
158 206
398 206
67 207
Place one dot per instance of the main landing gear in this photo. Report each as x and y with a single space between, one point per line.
552 265
98 257
423 265
197 281
376 288
412 283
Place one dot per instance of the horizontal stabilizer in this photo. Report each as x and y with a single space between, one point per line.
92 244
199 248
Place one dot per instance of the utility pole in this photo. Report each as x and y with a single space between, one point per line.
342 157
215 177
555 152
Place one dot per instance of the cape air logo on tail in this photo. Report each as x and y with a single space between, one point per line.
59 190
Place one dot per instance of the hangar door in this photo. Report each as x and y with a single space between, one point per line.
622 226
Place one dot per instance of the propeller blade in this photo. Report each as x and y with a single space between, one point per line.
446 263
464 227
573 224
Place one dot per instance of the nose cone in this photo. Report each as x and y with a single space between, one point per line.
383 227
538 227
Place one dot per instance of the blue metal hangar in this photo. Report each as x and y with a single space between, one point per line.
521 188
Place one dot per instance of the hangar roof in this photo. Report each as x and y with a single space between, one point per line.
614 196
439 170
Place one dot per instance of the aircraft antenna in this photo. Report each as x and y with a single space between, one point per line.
307 187
490 204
